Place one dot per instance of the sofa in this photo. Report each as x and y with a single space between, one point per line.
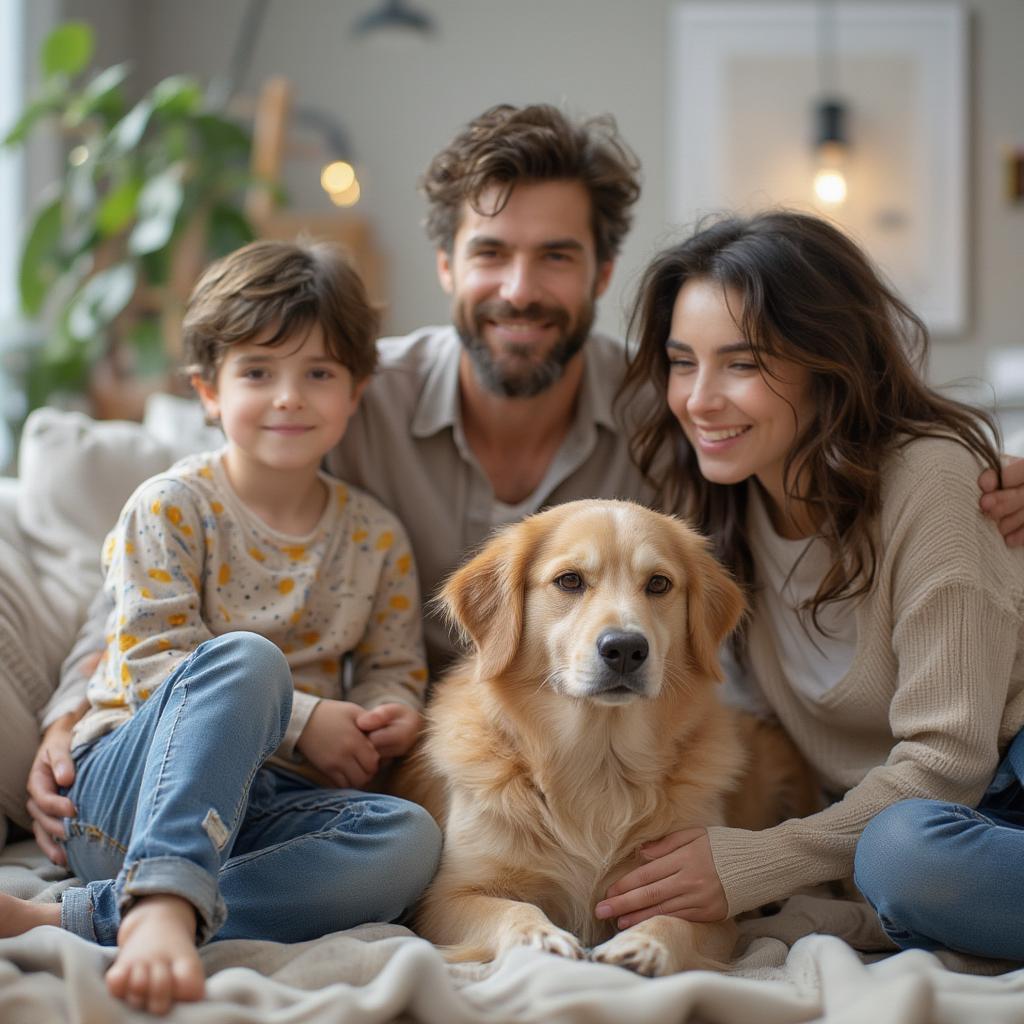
801 964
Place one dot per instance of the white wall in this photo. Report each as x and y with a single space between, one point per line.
590 56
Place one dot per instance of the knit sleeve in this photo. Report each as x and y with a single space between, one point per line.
154 565
390 663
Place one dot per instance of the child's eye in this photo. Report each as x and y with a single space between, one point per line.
321 374
254 373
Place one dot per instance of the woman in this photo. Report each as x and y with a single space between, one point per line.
886 613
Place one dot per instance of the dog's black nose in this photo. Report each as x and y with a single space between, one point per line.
621 651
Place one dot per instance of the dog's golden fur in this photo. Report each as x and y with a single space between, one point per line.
550 760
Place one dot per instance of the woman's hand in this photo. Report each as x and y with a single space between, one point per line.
391 728
679 879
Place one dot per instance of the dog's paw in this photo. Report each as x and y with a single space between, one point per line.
642 954
549 939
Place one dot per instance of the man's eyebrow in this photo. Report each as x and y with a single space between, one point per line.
722 350
562 243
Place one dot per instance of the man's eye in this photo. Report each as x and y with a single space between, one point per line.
569 581
658 584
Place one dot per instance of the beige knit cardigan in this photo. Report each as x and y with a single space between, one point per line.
935 691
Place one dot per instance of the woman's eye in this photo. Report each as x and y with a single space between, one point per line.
569 581
659 584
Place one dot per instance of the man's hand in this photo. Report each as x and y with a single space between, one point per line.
679 880
391 728
1005 507
52 770
337 747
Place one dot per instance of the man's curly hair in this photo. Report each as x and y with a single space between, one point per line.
506 146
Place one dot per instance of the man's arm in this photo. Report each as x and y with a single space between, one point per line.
53 767
1005 505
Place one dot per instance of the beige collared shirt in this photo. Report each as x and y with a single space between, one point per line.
406 446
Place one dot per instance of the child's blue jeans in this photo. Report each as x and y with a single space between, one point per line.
176 800
945 875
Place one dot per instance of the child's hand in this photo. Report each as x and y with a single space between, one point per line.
391 728
679 880
333 743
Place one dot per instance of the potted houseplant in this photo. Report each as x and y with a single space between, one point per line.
149 191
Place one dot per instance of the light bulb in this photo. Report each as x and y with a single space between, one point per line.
830 185
348 196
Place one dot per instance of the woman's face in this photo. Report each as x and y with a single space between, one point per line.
740 422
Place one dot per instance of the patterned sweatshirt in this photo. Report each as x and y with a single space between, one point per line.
935 692
188 561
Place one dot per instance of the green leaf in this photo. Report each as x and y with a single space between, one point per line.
127 133
159 204
228 229
148 348
40 258
101 299
67 49
179 94
30 115
117 209
218 135
101 95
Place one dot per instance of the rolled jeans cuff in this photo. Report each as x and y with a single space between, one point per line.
175 876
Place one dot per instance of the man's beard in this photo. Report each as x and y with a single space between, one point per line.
527 377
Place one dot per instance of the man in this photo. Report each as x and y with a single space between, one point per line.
512 408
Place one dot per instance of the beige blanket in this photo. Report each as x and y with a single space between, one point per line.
383 973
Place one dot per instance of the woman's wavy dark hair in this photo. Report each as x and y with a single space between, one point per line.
809 296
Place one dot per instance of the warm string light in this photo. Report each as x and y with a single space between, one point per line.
338 179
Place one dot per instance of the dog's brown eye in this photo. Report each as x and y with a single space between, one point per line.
659 584
569 581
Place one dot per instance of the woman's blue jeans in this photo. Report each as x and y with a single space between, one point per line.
177 801
945 875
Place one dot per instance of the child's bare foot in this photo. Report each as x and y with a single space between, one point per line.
18 916
157 962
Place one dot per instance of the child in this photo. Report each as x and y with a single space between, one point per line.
217 770
887 620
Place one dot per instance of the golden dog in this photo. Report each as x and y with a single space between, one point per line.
583 724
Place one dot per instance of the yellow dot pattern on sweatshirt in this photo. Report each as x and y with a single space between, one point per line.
129 548
403 564
173 514
419 674
216 508
206 473
310 639
385 540
399 602
257 555
224 574
358 536
330 666
160 575
287 585
177 619
342 497
296 552
155 508
126 641
164 644
146 593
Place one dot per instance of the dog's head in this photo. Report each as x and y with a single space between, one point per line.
603 600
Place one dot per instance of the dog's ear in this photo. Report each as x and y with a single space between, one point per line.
715 605
484 599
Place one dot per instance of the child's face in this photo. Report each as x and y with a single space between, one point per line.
283 406
740 422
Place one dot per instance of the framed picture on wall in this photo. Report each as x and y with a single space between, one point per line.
747 83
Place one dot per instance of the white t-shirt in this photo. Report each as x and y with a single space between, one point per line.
790 572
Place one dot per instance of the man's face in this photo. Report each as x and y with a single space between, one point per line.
523 284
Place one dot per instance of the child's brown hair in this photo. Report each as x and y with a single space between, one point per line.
286 288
